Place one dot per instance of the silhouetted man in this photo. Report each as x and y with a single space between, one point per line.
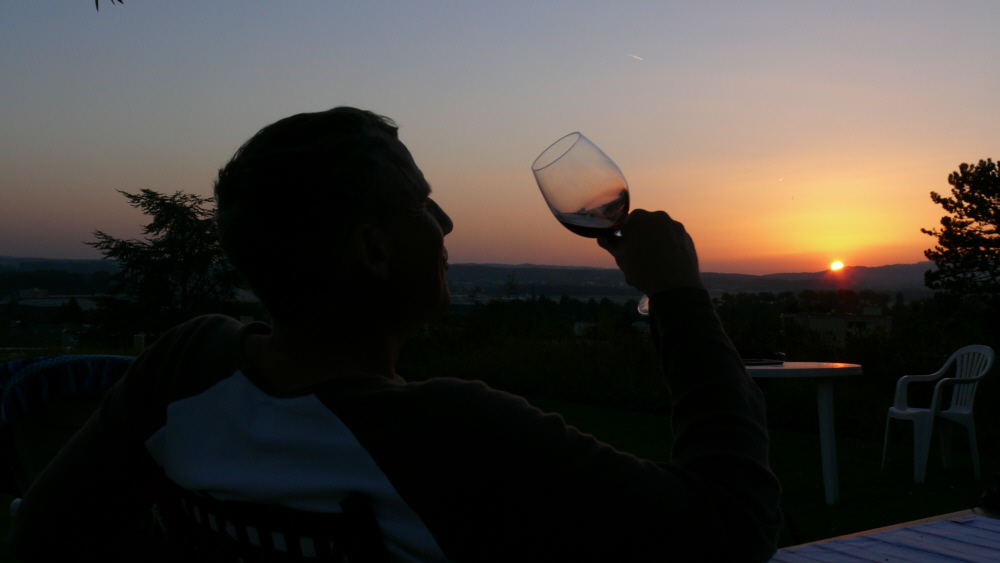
330 221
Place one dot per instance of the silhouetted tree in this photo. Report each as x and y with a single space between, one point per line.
476 293
97 4
70 312
967 254
178 269
511 287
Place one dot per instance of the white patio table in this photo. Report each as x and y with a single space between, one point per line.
823 373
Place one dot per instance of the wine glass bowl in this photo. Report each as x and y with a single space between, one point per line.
583 188
643 305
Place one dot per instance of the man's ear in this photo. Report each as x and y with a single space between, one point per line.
368 251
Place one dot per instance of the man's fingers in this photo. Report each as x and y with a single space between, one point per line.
609 243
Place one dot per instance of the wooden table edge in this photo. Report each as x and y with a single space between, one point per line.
928 520
787 371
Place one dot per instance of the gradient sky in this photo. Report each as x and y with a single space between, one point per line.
784 135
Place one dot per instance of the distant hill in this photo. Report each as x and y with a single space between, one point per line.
534 274
497 279
14 263
552 281
893 278
555 280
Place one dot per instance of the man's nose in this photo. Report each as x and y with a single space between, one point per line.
442 218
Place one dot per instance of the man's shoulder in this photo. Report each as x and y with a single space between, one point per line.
467 394
203 333
191 356
206 323
441 412
423 402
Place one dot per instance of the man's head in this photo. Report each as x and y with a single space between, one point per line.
319 208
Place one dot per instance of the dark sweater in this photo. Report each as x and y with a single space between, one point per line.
456 470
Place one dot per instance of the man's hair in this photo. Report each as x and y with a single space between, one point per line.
293 193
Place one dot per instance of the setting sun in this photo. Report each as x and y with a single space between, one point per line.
836 265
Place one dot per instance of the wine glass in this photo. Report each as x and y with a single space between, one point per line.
584 189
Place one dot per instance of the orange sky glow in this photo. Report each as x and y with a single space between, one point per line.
784 136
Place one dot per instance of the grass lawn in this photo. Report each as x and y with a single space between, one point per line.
869 497
4 525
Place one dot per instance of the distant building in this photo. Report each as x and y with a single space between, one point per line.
834 330
34 293
40 334
643 328
246 296
85 302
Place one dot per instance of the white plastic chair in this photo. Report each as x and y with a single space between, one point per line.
971 364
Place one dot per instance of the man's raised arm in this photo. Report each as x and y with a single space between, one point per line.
718 415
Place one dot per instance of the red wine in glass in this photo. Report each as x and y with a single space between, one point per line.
600 221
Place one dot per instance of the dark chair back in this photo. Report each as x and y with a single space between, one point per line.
43 402
204 528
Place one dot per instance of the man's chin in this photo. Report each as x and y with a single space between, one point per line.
445 302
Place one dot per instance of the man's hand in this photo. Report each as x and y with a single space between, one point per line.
654 252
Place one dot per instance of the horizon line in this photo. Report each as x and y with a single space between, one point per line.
521 265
